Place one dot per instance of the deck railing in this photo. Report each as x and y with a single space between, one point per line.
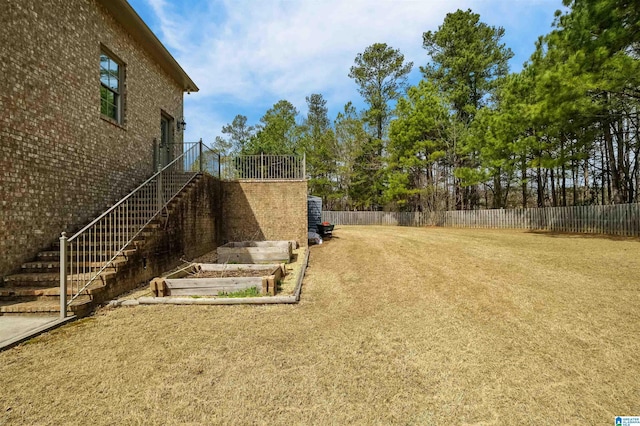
91 253
263 167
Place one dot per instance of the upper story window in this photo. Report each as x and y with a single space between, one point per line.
111 76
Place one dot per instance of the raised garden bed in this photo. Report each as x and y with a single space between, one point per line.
209 279
288 291
256 252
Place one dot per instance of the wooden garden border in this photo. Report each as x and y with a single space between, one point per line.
295 298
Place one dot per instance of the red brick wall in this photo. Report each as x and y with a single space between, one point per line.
264 211
60 161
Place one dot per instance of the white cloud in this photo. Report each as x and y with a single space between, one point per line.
284 48
257 52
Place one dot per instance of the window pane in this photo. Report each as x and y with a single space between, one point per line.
113 80
109 72
110 86
109 96
111 111
103 93
108 102
104 76
113 67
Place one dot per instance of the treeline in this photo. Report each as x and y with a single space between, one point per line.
563 131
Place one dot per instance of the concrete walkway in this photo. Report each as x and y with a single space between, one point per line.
16 329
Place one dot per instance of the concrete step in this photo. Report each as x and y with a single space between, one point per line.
101 245
131 221
108 235
111 235
132 228
35 293
136 217
53 279
54 255
53 266
82 306
36 290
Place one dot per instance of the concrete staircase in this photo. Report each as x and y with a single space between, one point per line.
35 290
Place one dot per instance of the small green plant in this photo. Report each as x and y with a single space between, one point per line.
247 292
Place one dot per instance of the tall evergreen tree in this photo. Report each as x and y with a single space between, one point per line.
381 74
351 135
321 149
467 62
467 59
279 132
238 135
416 144
367 179
594 53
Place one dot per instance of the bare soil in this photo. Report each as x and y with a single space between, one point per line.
395 326
211 257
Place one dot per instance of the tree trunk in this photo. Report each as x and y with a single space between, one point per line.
563 177
614 170
554 198
564 185
636 156
587 187
506 195
497 190
540 187
574 179
524 183
459 191
603 176
613 179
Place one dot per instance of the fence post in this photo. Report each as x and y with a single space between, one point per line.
304 165
261 165
63 275
200 156
219 167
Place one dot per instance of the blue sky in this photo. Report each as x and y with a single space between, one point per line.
245 55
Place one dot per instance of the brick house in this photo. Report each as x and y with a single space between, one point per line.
85 88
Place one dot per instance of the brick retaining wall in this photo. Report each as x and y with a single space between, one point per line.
264 210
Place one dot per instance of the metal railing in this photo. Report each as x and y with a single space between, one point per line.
96 250
263 167
207 160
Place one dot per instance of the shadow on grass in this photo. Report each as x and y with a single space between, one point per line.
559 234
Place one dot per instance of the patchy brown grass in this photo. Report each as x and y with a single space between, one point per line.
396 326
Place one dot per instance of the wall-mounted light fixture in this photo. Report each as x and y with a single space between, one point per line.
181 125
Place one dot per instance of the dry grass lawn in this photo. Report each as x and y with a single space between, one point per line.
396 326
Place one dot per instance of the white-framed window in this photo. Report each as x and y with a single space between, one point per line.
111 86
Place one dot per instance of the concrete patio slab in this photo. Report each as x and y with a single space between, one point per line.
16 329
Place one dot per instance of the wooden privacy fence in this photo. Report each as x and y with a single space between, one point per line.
619 219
